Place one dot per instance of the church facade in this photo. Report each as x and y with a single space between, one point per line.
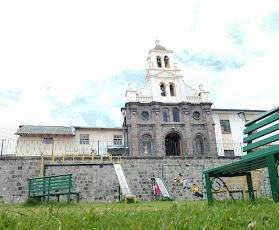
167 117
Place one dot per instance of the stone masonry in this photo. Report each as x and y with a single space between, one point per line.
97 182
187 128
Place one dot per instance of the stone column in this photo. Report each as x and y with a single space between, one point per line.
210 129
132 124
158 133
188 132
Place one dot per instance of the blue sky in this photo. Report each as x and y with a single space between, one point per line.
70 62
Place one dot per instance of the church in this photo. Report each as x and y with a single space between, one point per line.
167 117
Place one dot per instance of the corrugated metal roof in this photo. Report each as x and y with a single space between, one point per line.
37 129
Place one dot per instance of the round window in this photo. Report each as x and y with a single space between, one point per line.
145 115
196 115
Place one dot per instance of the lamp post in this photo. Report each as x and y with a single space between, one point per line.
241 114
123 111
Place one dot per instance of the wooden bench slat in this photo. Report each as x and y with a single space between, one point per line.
261 133
270 150
41 178
261 142
262 116
261 124
238 172
52 186
234 165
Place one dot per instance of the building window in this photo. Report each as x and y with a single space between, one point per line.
117 139
163 90
159 63
167 63
172 93
84 139
175 114
166 116
48 140
225 126
228 153
199 145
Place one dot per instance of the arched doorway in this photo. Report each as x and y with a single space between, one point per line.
173 145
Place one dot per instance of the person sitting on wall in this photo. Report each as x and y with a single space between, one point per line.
195 191
181 181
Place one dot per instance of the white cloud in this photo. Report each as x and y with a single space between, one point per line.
53 52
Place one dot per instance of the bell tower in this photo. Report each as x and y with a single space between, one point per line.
167 117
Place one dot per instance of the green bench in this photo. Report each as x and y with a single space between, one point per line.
52 186
262 151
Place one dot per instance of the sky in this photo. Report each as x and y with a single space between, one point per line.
69 62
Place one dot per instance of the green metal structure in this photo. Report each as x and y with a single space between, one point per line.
51 186
262 151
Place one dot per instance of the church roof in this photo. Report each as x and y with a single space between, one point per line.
158 46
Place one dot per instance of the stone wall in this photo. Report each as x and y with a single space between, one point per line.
97 181
146 119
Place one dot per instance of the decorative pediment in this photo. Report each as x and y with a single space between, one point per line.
165 74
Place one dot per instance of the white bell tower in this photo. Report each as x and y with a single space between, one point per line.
164 82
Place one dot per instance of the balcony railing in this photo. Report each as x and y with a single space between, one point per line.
144 99
194 99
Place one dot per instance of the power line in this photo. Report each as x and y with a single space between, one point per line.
8 129
7 133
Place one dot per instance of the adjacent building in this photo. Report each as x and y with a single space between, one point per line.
37 140
229 126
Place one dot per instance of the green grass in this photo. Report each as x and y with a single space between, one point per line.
142 215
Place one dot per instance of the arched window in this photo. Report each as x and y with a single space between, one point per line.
145 145
166 116
172 91
167 62
175 114
159 62
163 90
199 145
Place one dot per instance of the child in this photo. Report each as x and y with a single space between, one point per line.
154 185
182 181
156 190
195 191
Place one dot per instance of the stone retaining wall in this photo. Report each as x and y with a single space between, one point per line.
97 181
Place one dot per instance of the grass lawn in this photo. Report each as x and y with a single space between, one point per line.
242 214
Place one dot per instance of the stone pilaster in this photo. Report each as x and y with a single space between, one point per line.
158 130
188 132
210 129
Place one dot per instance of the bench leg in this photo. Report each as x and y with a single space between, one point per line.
273 177
208 188
69 197
250 186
